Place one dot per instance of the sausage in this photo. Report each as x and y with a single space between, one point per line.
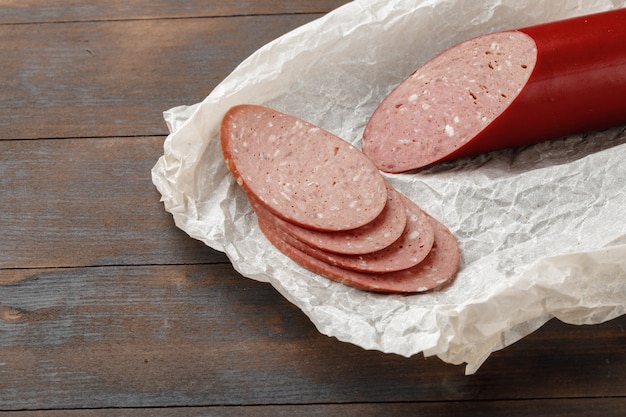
374 236
299 171
503 90
411 248
437 270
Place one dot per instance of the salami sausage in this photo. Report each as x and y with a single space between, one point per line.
503 90
299 171
411 248
276 157
374 236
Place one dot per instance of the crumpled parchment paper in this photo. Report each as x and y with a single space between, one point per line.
541 229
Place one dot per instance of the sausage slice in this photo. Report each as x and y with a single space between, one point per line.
408 250
299 171
436 271
374 236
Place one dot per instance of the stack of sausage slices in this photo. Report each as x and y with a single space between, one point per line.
324 204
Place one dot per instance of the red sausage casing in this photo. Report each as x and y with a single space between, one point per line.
538 83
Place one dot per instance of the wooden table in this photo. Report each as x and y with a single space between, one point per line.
107 309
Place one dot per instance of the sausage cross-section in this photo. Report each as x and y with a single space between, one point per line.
374 236
414 244
435 271
299 171
503 90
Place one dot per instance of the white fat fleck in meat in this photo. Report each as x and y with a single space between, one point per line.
272 138
356 177
353 204
414 235
404 141
456 119
276 152
412 98
449 130
425 106
285 196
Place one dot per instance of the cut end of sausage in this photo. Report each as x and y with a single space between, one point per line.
449 101
299 171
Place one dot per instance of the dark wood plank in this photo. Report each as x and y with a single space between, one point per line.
72 11
205 336
586 407
81 202
116 78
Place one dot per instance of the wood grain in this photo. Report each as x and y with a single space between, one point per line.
103 79
39 11
203 335
87 202
566 407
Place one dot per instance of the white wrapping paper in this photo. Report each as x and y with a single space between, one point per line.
541 229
